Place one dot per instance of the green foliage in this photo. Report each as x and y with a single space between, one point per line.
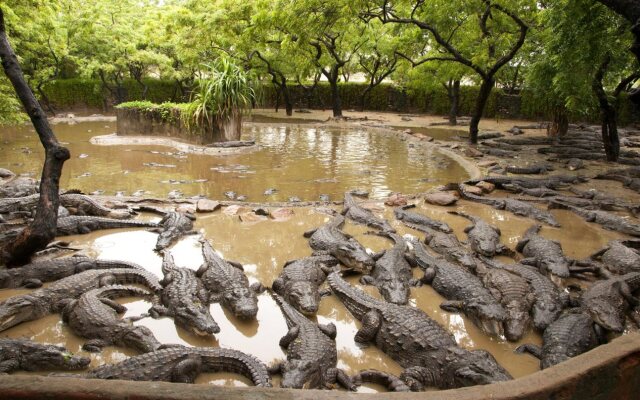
225 94
10 107
163 112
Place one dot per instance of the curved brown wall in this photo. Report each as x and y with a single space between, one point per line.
610 372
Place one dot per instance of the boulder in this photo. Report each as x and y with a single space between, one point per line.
474 190
207 206
282 214
396 200
441 198
486 187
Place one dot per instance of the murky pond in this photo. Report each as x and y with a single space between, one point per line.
263 248
297 161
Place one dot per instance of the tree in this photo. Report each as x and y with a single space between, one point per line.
42 229
482 35
588 53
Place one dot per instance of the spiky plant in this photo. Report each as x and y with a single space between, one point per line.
222 97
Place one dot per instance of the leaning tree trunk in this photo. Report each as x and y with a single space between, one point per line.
42 230
610 138
481 102
335 99
453 92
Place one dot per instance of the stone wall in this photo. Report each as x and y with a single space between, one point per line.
610 372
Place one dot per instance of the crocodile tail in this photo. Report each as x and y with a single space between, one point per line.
227 360
109 264
208 253
142 277
116 291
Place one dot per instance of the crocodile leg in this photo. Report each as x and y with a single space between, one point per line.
329 330
257 287
532 349
187 370
7 366
325 292
429 274
32 283
158 311
95 345
119 308
625 291
417 378
275 369
367 280
289 337
336 375
308 234
452 305
370 325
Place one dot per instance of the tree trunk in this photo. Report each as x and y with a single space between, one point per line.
42 230
288 105
45 98
453 92
481 102
335 99
560 122
610 137
277 98
363 97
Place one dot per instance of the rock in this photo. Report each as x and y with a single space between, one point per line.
373 206
206 206
405 119
237 210
270 191
294 199
5 173
423 137
516 131
83 155
252 217
487 163
455 146
282 214
230 195
261 211
486 187
474 190
186 208
396 200
471 152
441 198
242 197
325 197
71 116
407 131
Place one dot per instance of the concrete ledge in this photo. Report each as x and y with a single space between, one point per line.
117 140
608 372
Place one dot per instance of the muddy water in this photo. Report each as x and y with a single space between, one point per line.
297 161
263 247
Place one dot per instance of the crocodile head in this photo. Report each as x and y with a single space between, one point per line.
394 291
295 373
141 338
488 317
486 245
303 296
544 313
242 302
5 279
355 257
45 357
164 239
196 319
516 324
477 367
18 309
607 315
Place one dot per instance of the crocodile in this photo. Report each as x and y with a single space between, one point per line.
356 213
94 316
227 283
605 219
311 353
26 355
392 273
448 245
174 225
44 301
534 192
570 335
517 298
19 187
75 225
551 182
529 170
185 299
463 291
544 254
619 257
329 239
418 221
300 280
427 351
391 382
80 204
607 301
183 364
32 275
605 199
483 238
516 207
548 302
